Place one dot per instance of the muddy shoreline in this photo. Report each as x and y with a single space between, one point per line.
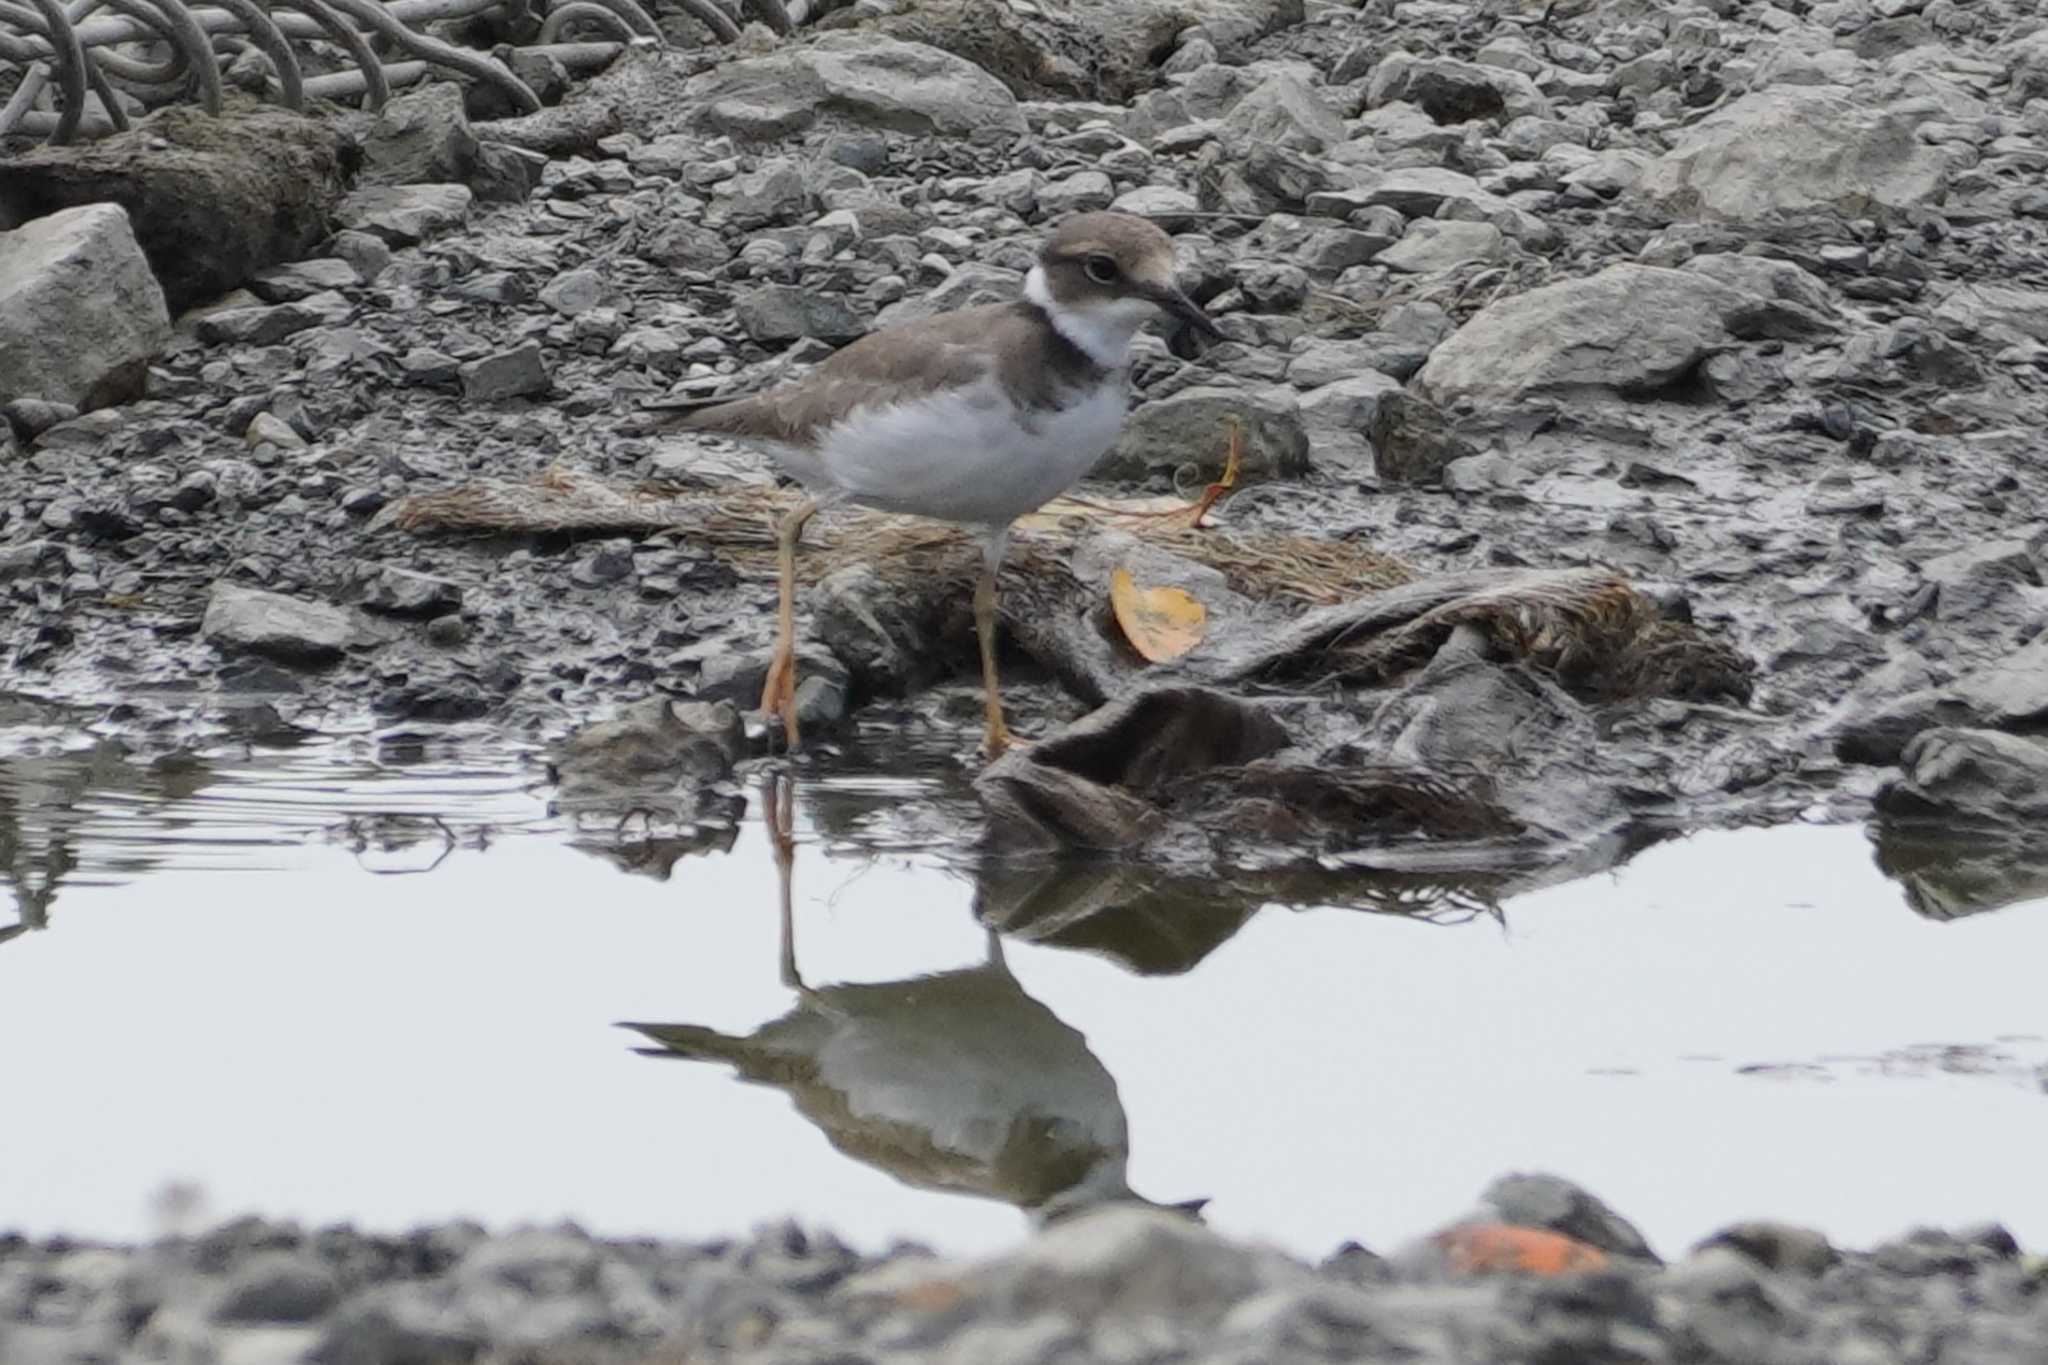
1496 318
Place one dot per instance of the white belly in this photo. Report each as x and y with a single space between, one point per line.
965 455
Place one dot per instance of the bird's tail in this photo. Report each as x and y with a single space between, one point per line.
691 1041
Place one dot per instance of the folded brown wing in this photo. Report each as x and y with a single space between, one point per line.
880 369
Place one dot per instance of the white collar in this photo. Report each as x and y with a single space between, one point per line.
1103 334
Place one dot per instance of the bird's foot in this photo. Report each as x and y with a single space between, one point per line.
998 741
778 693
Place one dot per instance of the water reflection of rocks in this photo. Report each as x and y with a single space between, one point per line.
52 822
98 815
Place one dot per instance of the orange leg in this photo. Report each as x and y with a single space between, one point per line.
778 692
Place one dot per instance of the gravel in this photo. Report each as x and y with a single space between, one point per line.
1115 1283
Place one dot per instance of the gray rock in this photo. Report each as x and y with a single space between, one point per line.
538 1261
1998 312
267 428
777 314
968 287
1332 251
607 563
683 245
278 1286
1413 441
889 640
1285 112
771 195
27 558
1778 1246
303 279
1273 286
652 749
1969 776
1431 246
1091 49
81 316
287 629
575 292
1629 330
1787 151
857 78
1766 277
367 255
393 591
519 372
265 326
1122 1262
1349 404
1397 353
404 215
1189 428
1081 192
33 416
1170 208
421 136
1413 192
1969 581
2011 692
1548 1201
1452 91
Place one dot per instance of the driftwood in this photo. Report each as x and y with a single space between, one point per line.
738 525
1288 609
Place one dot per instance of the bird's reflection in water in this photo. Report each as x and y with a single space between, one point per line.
956 1081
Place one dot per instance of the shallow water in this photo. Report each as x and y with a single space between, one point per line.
369 982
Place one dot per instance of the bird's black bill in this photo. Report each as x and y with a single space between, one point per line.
1187 310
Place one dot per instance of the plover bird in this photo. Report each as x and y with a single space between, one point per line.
975 417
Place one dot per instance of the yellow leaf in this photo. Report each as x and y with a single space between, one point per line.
1160 623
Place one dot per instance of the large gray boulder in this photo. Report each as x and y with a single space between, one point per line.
1629 330
857 78
1789 151
81 315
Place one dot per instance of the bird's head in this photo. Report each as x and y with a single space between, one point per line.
1102 276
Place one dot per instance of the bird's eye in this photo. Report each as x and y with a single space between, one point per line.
1102 269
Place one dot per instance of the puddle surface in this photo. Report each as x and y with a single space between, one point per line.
352 982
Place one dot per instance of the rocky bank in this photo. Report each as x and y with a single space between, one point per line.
1540 1271
1737 306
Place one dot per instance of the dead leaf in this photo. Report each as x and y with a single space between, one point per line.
1490 1248
1160 623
